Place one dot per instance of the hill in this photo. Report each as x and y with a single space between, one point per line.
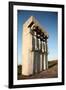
51 72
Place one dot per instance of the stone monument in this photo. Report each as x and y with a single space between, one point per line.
34 47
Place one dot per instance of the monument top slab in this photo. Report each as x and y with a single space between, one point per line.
32 20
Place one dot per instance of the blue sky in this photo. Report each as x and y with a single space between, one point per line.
48 20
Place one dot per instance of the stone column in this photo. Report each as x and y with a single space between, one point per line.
35 41
46 53
40 62
33 67
34 59
39 54
39 43
43 55
36 55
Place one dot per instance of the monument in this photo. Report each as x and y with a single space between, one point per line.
34 47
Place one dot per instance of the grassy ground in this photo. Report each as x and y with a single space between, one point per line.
51 72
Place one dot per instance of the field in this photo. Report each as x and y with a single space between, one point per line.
51 72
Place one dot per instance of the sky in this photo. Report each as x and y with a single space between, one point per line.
49 21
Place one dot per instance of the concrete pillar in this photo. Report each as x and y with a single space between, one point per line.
42 46
34 62
41 62
46 56
30 61
43 56
38 61
44 61
39 43
35 41
26 49
32 56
